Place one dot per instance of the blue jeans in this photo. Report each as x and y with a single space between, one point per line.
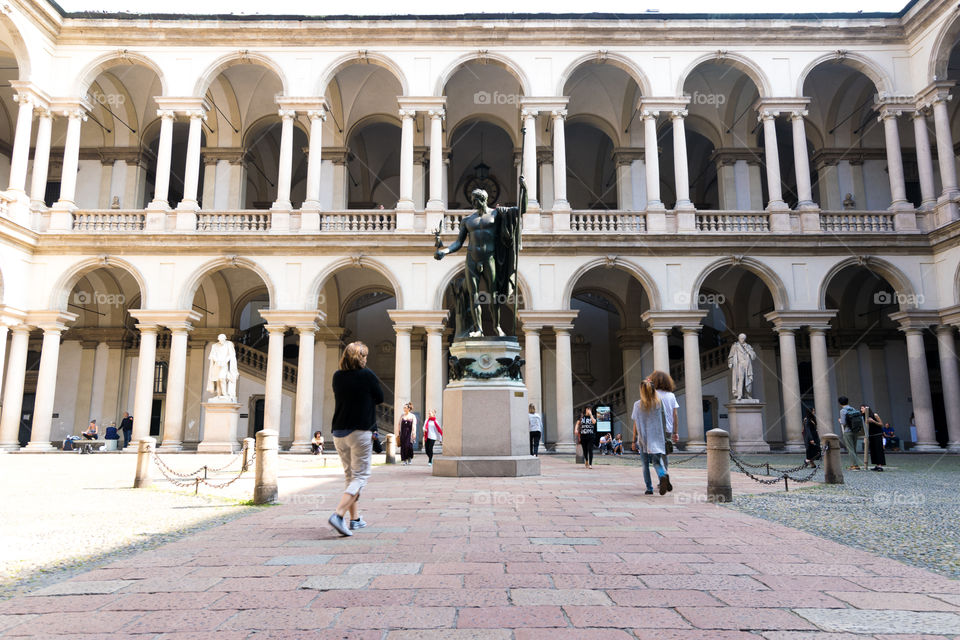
660 462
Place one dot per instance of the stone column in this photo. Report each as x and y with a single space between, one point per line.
913 324
314 164
820 368
71 157
661 349
433 394
529 159
4 329
565 442
46 385
945 153
560 202
21 143
191 172
898 187
531 354
303 423
651 156
692 386
802 163
176 387
680 166
164 151
947 349
435 202
772 157
790 385
41 160
273 391
13 391
401 375
924 160
143 400
405 203
286 161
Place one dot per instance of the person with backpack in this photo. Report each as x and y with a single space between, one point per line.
851 424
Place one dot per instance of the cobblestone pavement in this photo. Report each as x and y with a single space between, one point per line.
573 553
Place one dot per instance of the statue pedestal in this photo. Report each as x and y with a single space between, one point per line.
746 426
220 420
485 425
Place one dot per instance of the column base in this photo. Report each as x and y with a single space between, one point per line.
10 447
486 466
928 205
655 205
562 206
953 447
923 447
39 447
794 448
684 205
300 447
900 205
170 447
281 205
533 205
695 446
808 205
158 205
565 448
188 205
435 205
405 205
777 205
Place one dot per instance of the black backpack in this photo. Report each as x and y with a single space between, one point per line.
855 422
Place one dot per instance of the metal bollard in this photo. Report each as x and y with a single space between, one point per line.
718 466
832 467
145 451
248 445
391 449
265 484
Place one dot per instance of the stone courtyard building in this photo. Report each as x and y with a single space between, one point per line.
279 179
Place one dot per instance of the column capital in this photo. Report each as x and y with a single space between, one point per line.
11 317
413 104
544 104
679 114
950 315
914 321
166 114
407 113
799 114
935 92
529 113
437 114
317 114
655 105
666 320
182 105
148 328
563 329
633 338
793 320
28 93
51 320
540 319
773 107
411 318
302 104
287 114
292 317
165 318
74 109
627 155
558 114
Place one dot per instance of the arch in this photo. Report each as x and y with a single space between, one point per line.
891 273
597 123
60 292
356 294
497 59
453 272
366 57
767 275
488 118
649 286
373 118
98 65
861 63
18 46
189 291
320 281
611 297
617 60
735 60
233 59
940 52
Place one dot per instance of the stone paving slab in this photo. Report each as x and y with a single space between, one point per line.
530 560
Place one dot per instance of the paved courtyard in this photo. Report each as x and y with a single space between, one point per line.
570 554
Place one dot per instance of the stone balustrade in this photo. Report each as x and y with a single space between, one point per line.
733 221
857 221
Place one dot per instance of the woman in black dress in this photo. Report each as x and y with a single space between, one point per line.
408 433
586 431
811 438
874 428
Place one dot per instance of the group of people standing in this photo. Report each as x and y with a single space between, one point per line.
854 424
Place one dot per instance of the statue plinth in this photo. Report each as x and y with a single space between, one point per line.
220 420
485 424
746 426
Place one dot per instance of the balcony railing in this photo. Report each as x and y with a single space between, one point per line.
233 222
732 221
105 222
857 221
608 222
359 221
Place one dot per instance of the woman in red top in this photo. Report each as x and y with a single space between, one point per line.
431 433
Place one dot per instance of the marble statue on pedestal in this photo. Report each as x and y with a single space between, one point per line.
740 361
222 380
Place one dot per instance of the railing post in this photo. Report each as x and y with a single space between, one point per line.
144 459
265 483
832 469
248 445
718 466
391 449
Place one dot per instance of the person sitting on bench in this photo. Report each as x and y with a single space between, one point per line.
91 432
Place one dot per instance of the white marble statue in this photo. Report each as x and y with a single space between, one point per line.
222 381
740 361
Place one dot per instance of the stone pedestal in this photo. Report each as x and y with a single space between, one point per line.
746 426
485 424
220 420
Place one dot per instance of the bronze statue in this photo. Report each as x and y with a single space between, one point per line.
494 247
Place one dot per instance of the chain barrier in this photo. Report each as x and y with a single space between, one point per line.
675 461
783 474
194 479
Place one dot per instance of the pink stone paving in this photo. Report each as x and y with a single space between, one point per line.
572 554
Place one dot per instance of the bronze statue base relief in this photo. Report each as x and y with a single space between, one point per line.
485 426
